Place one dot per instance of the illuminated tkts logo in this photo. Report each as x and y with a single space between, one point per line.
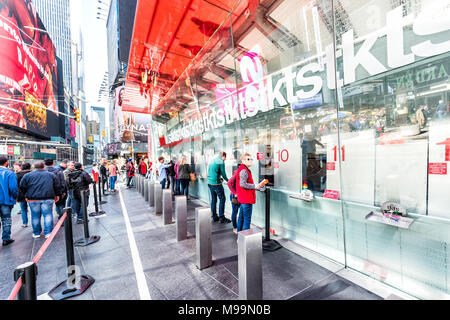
428 36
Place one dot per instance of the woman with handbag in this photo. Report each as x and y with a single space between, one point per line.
184 174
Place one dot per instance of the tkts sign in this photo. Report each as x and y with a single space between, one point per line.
376 53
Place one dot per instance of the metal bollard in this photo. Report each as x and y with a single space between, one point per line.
141 185
146 190
203 237
250 264
138 186
75 284
28 271
181 217
151 194
87 240
167 206
158 198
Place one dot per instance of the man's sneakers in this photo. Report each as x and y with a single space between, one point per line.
79 221
235 231
47 235
6 242
24 226
224 220
215 218
35 236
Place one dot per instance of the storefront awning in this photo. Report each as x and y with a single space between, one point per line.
167 35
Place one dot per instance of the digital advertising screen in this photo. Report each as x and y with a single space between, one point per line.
28 70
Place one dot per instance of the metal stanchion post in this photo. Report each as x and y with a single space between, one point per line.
97 212
103 186
100 192
75 284
181 217
203 237
269 244
87 240
151 194
28 272
158 198
167 206
146 182
250 265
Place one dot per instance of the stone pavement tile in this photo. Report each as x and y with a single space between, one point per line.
120 287
335 288
175 279
208 290
221 274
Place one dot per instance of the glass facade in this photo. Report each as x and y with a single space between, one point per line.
349 99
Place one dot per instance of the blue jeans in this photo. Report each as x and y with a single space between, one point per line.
59 209
70 197
76 207
217 191
24 210
5 211
245 217
163 183
235 210
184 187
41 208
177 190
112 182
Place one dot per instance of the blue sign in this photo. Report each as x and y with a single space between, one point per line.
314 101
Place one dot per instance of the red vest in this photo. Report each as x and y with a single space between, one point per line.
245 195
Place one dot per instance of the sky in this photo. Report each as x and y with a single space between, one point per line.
84 18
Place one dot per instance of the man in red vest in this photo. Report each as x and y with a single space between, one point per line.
245 188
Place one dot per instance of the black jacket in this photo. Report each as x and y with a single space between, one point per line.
62 187
79 180
39 185
103 171
171 170
21 196
184 171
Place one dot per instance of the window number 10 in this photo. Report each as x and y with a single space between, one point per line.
283 155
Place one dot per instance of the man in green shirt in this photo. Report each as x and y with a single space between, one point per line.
216 171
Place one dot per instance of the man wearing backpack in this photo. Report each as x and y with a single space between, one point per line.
130 172
79 180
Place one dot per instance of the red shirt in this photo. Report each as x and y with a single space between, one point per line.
143 168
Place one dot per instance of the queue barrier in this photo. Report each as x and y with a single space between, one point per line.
97 212
88 239
25 274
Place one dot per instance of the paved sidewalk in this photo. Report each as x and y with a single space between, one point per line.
168 266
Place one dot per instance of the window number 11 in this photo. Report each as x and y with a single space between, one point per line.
335 153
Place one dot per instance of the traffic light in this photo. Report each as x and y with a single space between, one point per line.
77 115
104 133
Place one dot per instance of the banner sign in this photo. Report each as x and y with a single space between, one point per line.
28 72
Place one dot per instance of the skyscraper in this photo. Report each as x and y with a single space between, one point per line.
55 14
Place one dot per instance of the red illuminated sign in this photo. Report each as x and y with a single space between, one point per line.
331 166
260 156
446 143
331 194
11 150
437 168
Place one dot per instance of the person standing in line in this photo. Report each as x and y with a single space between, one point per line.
69 169
246 195
112 176
8 194
176 168
143 168
62 167
171 176
103 174
235 205
184 172
17 167
130 172
61 187
79 180
216 171
26 168
441 109
162 172
40 188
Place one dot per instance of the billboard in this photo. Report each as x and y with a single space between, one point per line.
28 70
129 125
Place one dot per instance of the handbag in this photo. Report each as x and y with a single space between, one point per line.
235 201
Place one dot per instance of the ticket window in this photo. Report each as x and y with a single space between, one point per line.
314 164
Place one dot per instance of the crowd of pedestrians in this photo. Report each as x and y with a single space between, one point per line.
40 188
